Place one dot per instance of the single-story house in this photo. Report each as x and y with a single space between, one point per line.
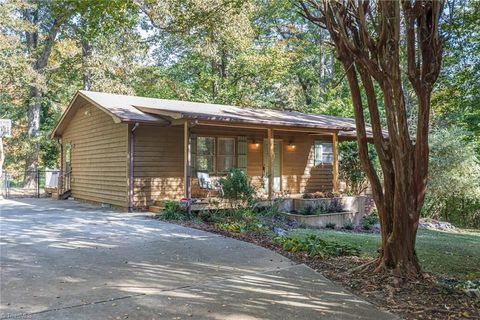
131 151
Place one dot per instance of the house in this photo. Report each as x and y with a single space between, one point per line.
130 151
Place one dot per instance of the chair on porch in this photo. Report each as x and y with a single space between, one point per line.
206 183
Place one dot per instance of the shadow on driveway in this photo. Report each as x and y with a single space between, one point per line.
66 260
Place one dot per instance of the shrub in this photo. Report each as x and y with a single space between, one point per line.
369 221
350 167
349 226
314 246
306 195
271 215
237 186
322 208
307 210
320 195
173 210
330 225
335 206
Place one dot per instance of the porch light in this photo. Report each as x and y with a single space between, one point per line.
255 144
291 146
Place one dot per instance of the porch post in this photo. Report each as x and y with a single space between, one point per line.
270 163
335 161
187 160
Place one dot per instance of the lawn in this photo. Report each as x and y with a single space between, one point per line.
443 253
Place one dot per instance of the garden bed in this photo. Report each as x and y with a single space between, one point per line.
333 212
335 219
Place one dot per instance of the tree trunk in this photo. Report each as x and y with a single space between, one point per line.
39 47
367 40
33 118
86 54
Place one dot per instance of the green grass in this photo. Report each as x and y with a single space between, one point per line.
443 253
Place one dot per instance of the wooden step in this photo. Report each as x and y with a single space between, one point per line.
66 195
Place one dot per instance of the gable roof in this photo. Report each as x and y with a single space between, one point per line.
133 109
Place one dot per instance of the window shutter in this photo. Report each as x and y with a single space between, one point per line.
193 152
242 153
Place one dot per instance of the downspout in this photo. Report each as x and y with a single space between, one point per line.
130 180
61 176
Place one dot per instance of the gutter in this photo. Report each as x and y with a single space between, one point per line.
131 159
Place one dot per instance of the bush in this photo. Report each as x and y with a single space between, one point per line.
314 246
335 206
320 195
237 187
349 226
307 210
350 167
271 215
330 225
369 221
173 210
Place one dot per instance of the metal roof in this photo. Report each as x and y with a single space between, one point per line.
133 108
124 108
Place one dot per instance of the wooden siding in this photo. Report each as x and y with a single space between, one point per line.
158 162
99 157
298 171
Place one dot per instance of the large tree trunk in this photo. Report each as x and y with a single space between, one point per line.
367 41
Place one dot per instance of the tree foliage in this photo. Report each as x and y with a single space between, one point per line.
350 167
454 183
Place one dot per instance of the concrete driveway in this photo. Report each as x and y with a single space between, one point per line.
66 260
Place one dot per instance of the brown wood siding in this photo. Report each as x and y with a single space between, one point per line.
158 162
299 173
99 157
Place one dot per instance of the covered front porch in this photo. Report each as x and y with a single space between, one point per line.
279 161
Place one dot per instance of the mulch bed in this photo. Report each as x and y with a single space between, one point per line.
425 299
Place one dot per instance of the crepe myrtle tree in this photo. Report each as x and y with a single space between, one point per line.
388 48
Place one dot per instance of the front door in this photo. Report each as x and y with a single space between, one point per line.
277 165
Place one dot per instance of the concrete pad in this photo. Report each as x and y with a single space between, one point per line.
66 260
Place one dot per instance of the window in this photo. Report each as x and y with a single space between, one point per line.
205 154
323 153
226 154
216 154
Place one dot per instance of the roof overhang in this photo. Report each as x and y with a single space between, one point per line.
80 99
259 123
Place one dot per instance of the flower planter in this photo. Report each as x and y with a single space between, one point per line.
354 210
321 220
